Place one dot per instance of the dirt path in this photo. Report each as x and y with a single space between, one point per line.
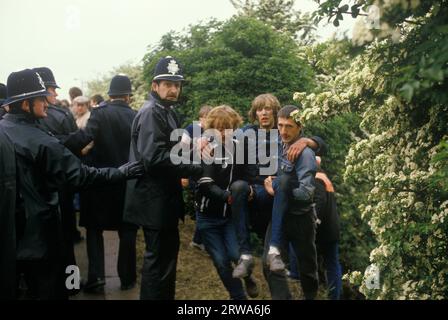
196 275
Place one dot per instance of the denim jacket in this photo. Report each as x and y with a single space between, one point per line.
304 171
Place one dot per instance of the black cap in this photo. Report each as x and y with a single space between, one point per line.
25 84
120 85
168 69
47 76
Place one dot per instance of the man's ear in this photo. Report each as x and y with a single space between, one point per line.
25 106
154 86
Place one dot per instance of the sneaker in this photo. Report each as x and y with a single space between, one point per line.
196 245
251 286
244 268
275 263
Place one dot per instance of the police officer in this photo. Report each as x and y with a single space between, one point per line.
60 123
155 201
2 98
109 127
43 166
7 221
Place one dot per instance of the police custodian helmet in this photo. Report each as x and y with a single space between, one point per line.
25 84
47 76
168 69
120 85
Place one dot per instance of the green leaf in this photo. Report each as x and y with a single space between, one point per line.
344 8
355 10
407 91
336 22
443 29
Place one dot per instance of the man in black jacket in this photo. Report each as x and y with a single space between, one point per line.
109 127
60 123
43 167
155 201
7 221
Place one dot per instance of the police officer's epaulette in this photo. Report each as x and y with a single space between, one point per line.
58 109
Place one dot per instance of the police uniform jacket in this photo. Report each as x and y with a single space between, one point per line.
59 122
155 200
43 166
7 217
109 127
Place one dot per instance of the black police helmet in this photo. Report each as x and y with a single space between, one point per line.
47 76
168 69
22 85
120 85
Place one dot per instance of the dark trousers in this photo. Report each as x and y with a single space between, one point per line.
68 214
278 284
220 241
300 230
159 264
45 279
127 255
68 222
330 271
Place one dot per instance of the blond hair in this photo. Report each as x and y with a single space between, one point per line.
204 110
261 101
223 117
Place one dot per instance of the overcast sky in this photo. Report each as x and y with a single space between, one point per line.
82 39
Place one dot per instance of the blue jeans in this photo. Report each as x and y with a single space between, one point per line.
279 209
220 241
240 214
262 201
329 252
197 235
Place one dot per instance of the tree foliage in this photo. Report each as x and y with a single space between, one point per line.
241 59
140 88
398 87
280 14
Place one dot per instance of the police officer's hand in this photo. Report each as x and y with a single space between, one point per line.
132 170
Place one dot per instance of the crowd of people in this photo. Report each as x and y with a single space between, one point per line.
117 165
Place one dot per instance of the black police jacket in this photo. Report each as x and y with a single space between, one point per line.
7 218
155 200
44 166
59 122
109 127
